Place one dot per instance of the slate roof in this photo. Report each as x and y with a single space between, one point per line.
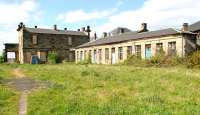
51 31
195 27
131 36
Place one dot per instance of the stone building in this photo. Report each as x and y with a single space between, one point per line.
142 43
196 29
36 43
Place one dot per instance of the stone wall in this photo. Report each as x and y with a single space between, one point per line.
47 43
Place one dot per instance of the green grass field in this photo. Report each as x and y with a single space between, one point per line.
110 90
8 97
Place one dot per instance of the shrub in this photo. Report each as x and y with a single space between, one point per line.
134 60
52 58
194 60
87 60
1 59
160 59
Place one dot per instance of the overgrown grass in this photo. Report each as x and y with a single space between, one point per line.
8 97
114 90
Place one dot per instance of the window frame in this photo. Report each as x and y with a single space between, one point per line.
120 53
138 53
34 39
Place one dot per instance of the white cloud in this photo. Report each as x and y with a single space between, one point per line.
80 15
157 13
11 15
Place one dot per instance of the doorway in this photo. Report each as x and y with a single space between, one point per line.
148 51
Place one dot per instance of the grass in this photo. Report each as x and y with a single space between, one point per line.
8 97
113 90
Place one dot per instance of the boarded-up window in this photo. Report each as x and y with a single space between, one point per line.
77 56
100 55
81 56
43 56
107 54
172 48
159 48
34 39
120 53
69 40
95 56
138 51
129 51
85 54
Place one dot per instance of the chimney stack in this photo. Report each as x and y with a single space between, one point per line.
143 27
65 29
95 36
121 30
35 26
83 29
105 34
55 27
185 27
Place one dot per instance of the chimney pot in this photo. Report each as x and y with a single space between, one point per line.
88 29
185 27
55 27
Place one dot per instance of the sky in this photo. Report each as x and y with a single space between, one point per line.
101 15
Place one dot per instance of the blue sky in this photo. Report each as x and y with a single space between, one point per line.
101 15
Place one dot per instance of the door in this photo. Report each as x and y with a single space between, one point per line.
34 60
148 51
113 56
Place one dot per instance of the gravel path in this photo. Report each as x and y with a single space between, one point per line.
24 85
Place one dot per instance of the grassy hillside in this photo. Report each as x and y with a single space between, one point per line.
114 90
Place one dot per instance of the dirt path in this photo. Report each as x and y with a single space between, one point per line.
24 85
23 104
21 85
18 73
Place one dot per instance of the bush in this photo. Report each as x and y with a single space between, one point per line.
1 59
194 60
163 60
134 60
52 58
160 59
87 60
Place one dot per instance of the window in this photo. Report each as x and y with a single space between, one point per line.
85 54
138 51
69 40
95 56
100 55
34 39
172 48
107 54
159 48
77 55
129 51
120 53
